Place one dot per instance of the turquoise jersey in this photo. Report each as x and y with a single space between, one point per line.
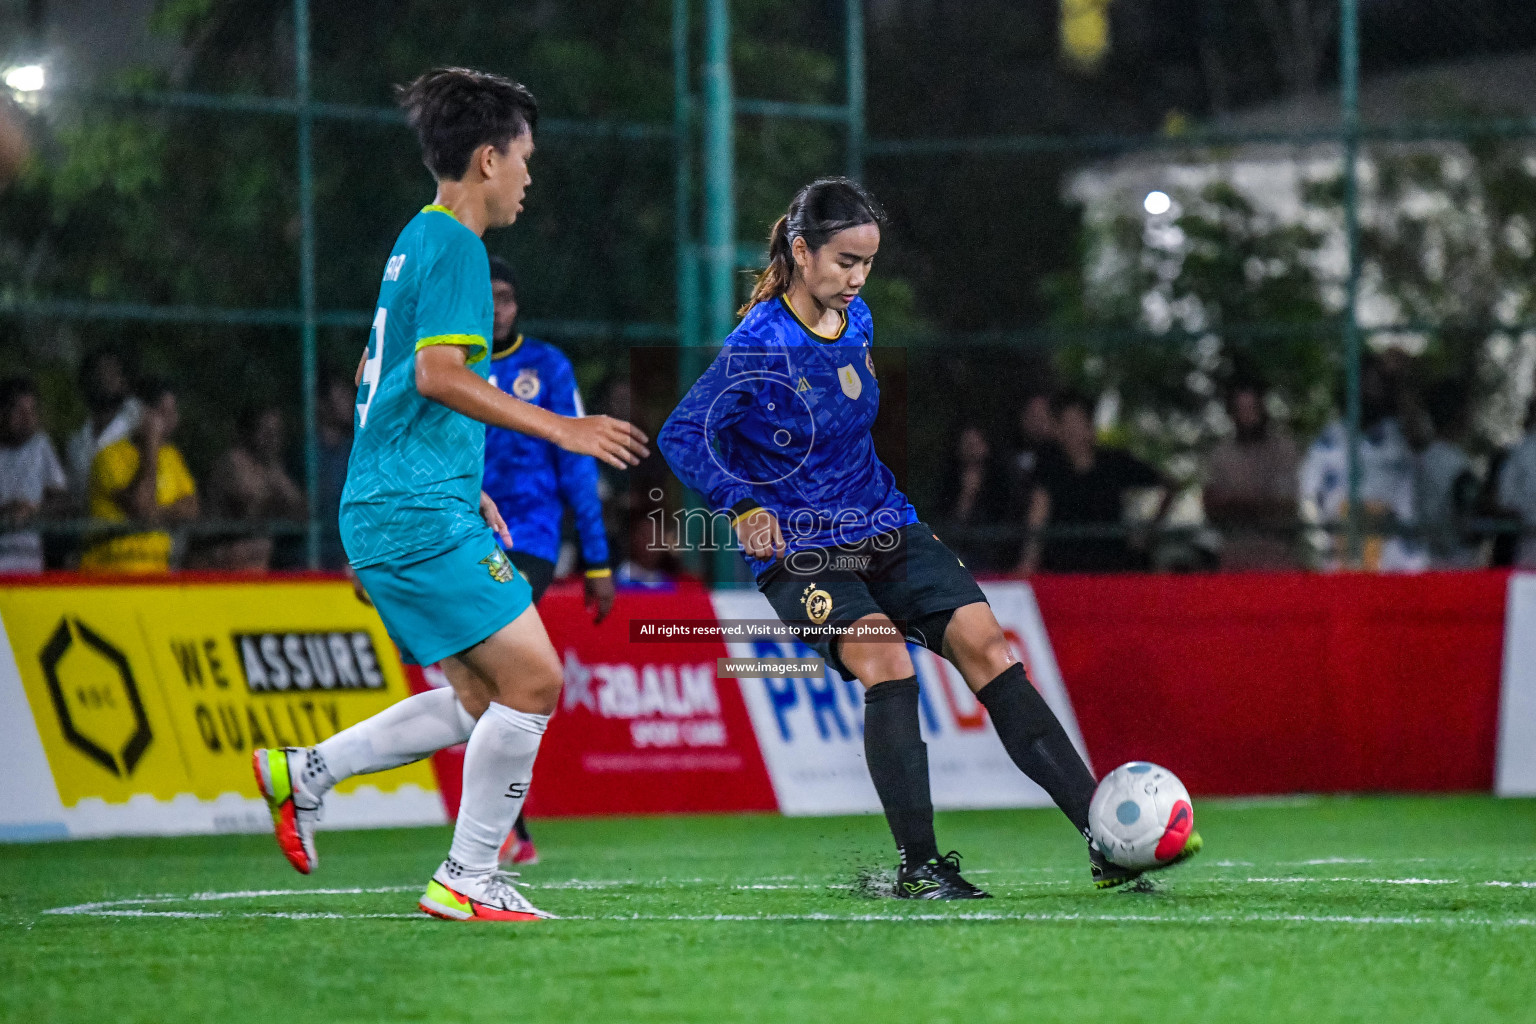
413 482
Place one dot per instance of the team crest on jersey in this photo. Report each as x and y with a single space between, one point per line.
817 604
869 363
852 383
526 386
497 565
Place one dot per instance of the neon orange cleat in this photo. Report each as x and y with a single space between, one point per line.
455 896
294 810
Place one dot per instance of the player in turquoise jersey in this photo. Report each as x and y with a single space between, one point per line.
419 532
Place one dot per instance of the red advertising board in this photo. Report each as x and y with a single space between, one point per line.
1243 684
641 728
1271 683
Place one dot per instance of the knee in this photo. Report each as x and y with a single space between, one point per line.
980 645
877 662
536 690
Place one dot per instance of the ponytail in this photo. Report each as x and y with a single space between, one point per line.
818 211
775 278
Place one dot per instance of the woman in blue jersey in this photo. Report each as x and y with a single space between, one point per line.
776 435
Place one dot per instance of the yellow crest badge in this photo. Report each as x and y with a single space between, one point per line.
497 565
818 604
526 386
852 383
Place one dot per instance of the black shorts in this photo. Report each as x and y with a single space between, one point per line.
540 571
906 574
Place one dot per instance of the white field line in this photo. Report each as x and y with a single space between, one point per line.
207 914
141 906
241 894
1039 918
1367 881
624 883
1088 918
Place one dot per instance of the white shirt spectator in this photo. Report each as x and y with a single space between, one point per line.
1517 492
84 444
1386 481
26 473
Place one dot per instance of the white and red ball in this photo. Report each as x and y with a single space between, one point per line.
1141 816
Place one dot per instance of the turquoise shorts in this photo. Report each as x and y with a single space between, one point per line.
446 603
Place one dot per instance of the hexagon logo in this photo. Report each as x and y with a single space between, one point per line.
95 696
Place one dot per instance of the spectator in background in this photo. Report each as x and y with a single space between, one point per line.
31 480
977 497
1445 488
337 409
113 413
652 560
249 484
143 480
1386 480
1250 489
1082 485
1516 489
1036 437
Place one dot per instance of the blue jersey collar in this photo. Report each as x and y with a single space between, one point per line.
811 330
502 353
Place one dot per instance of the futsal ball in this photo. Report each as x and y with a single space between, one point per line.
1140 815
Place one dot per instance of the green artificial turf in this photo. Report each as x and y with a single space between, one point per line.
1311 910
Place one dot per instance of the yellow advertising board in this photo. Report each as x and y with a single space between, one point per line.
163 689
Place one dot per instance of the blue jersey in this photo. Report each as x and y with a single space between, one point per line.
531 480
781 420
413 482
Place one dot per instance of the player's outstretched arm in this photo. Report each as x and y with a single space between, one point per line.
442 375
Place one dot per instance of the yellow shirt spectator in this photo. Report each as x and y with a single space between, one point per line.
113 471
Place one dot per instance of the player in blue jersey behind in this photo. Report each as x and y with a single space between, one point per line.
776 435
420 533
532 481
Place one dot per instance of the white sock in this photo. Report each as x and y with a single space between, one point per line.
498 767
408 731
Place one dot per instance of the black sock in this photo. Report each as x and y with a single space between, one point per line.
1037 742
898 764
521 828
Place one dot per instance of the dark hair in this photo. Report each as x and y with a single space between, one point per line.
501 270
1246 382
1061 401
818 211
251 416
12 388
455 111
97 356
151 389
1446 403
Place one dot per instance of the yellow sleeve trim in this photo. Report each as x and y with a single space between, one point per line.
469 341
751 511
598 574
